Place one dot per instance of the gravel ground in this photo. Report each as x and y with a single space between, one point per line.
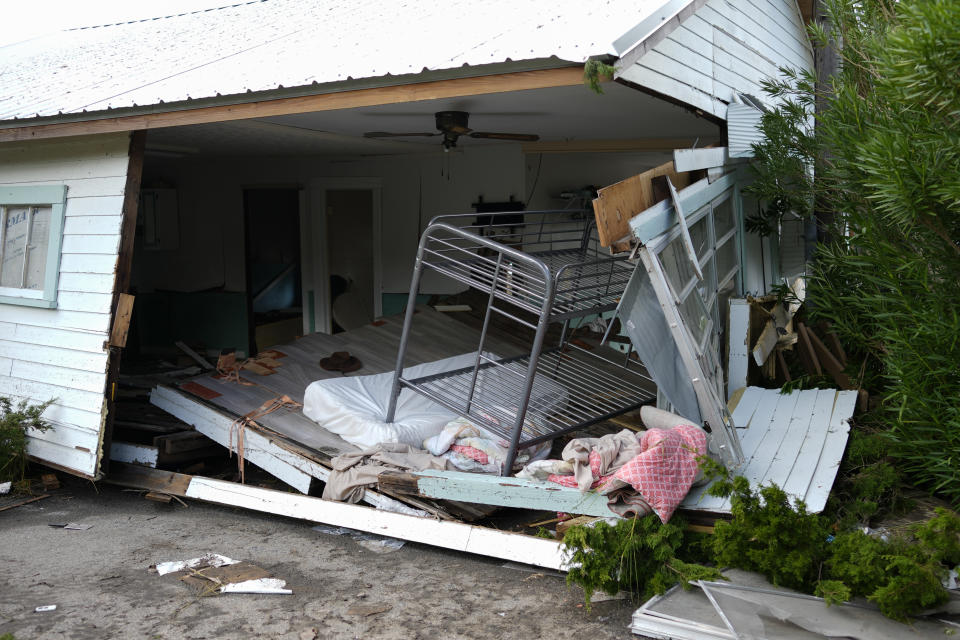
101 581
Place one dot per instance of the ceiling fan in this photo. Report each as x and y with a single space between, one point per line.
451 125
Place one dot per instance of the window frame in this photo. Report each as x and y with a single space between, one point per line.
55 197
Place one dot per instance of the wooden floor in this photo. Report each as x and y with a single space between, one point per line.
794 440
434 336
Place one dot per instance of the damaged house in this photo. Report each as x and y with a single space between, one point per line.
366 223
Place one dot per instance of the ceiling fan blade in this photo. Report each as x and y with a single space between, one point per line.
522 137
387 134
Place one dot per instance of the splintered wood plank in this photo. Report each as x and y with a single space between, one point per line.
121 320
616 204
450 535
500 491
833 447
829 361
139 477
749 401
811 450
796 432
756 465
808 357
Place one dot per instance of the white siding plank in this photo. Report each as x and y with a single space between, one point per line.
94 206
68 423
86 282
67 358
93 225
56 318
87 263
6 365
88 187
79 460
60 376
668 86
104 245
89 302
65 396
66 339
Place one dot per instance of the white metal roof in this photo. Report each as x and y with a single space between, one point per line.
270 44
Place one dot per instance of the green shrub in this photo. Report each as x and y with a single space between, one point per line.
15 420
886 159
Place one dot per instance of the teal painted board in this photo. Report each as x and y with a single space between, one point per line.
511 492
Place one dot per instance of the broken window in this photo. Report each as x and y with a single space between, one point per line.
31 220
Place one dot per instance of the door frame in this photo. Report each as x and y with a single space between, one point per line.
314 239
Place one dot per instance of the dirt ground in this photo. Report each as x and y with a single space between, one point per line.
101 581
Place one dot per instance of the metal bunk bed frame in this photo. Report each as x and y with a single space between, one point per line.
550 264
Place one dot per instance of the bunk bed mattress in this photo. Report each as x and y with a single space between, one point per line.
354 407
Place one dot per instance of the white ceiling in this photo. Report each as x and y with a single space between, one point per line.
555 114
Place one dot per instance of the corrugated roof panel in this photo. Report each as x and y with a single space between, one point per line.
260 46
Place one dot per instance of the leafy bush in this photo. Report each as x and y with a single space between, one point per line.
15 419
639 555
793 548
886 159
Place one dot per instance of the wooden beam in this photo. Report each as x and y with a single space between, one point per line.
495 490
695 159
607 146
121 320
457 87
449 535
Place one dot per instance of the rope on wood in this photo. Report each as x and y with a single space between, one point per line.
240 424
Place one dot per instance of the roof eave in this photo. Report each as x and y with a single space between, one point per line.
290 93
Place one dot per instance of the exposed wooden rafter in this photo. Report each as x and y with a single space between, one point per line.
518 81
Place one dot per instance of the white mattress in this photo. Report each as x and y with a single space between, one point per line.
354 407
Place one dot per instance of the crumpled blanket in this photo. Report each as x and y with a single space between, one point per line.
469 447
352 473
639 472
664 472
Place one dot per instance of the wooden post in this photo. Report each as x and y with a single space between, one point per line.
120 322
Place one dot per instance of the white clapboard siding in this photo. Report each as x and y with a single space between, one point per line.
726 47
86 263
61 353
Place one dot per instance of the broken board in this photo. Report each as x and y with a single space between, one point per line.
793 440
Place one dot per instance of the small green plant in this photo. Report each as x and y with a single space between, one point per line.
15 420
639 555
594 71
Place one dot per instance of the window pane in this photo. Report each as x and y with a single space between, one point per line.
700 236
676 264
37 251
723 217
726 258
14 240
695 316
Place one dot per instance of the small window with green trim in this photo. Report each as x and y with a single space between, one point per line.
31 229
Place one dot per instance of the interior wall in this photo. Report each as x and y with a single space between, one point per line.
547 175
414 189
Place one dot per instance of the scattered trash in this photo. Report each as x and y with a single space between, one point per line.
14 501
369 541
367 610
45 608
600 596
72 526
261 585
206 560
309 634
5 488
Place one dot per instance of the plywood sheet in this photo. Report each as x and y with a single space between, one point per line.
619 202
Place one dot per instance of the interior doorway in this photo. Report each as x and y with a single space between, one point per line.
341 262
273 266
349 215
